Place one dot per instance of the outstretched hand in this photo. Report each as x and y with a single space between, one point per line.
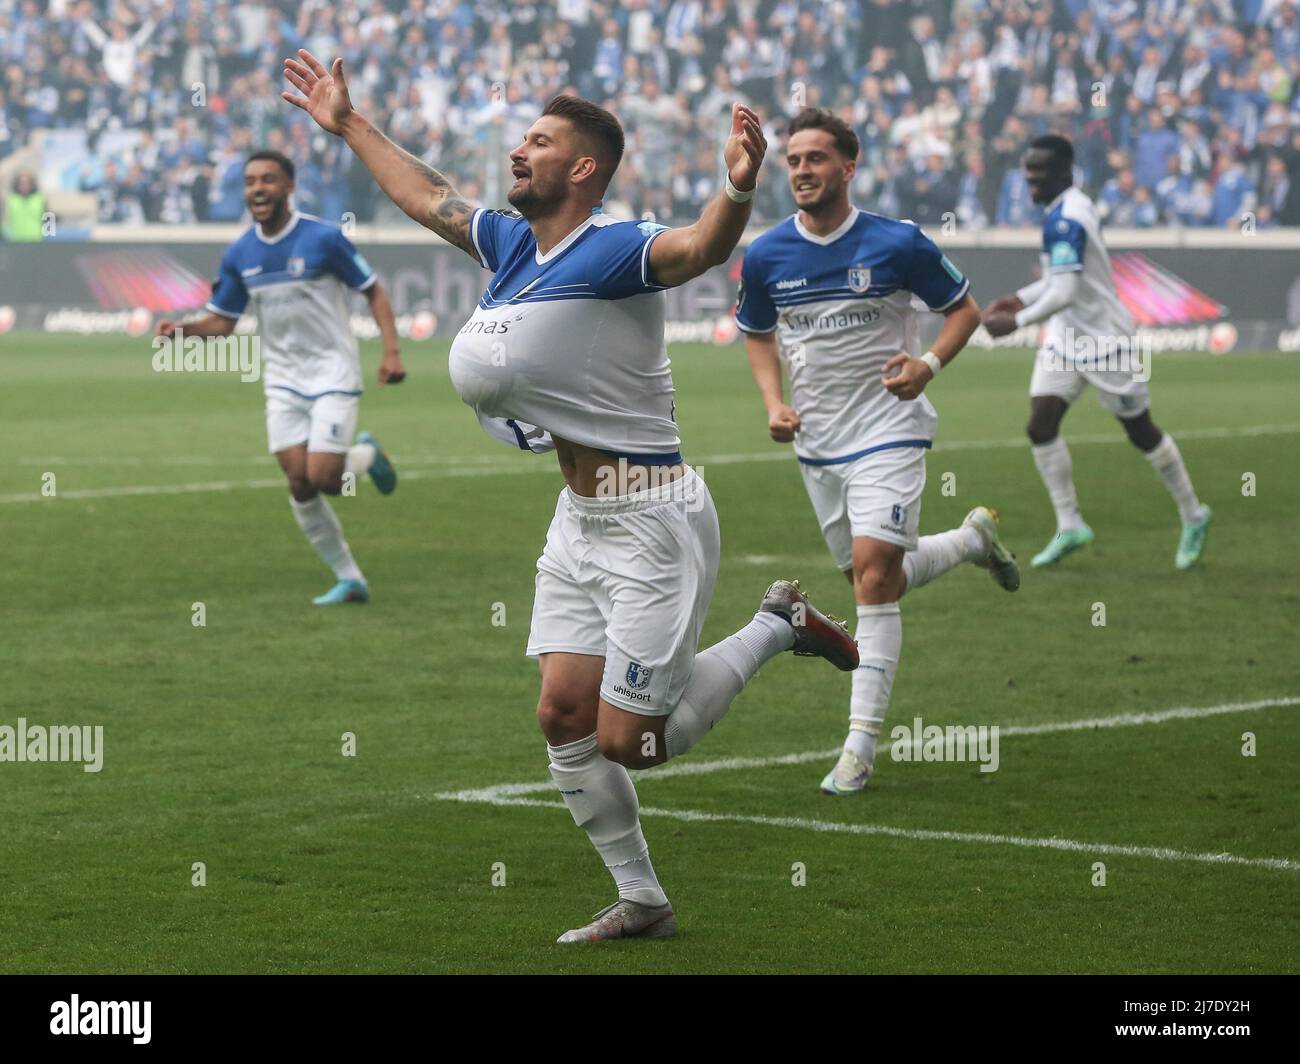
745 148
324 92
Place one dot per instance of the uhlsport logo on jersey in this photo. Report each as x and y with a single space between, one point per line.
638 676
859 278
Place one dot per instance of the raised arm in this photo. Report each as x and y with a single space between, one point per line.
680 254
418 189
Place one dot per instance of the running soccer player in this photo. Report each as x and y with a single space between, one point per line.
294 270
565 352
1076 298
827 295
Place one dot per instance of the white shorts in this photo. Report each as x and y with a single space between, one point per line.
1119 391
629 579
328 423
877 495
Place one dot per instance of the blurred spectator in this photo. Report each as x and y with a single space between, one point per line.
24 219
1154 147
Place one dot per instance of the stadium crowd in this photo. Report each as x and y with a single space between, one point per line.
1182 113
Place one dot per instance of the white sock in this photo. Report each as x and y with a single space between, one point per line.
1168 462
935 555
603 801
323 531
361 456
880 642
719 675
1053 461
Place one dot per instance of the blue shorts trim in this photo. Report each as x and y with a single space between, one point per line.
668 458
870 450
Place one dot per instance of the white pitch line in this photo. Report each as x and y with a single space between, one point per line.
479 465
1155 853
726 764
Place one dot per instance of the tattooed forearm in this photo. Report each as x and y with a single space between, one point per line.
417 188
451 214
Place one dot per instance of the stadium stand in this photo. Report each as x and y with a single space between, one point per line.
1184 114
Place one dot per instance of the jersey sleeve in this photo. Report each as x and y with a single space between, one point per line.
755 311
495 235
931 276
625 259
347 263
1064 241
229 296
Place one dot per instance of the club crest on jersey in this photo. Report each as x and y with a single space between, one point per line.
638 676
859 278
297 266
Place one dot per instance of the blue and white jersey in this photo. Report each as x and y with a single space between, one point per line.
1072 243
296 284
571 342
841 307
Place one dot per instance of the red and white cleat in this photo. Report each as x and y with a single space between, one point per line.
816 634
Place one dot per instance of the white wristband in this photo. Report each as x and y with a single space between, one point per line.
932 360
735 195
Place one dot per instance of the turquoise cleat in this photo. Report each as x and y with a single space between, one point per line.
344 591
1192 541
1063 543
381 469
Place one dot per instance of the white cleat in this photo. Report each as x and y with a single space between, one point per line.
849 776
626 919
999 561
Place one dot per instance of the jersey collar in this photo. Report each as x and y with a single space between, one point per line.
567 242
832 236
288 228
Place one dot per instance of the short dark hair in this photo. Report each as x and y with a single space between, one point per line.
1061 149
846 141
279 158
596 124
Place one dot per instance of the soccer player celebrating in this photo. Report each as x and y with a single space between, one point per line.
826 295
293 269
565 351
1085 318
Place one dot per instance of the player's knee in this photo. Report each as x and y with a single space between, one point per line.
331 483
623 749
1142 433
302 489
564 718
878 581
1041 430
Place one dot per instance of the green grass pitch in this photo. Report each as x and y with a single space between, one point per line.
223 743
